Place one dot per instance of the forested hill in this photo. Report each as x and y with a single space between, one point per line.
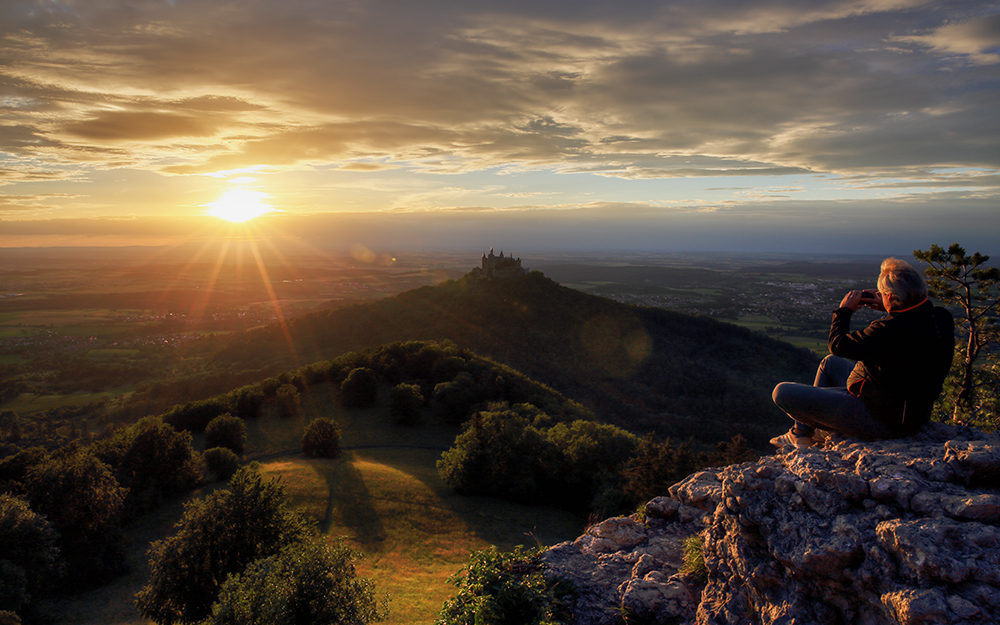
640 368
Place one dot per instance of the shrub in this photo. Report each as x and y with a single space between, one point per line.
321 439
288 400
249 399
405 403
453 401
217 536
226 431
313 583
222 462
503 588
360 388
498 454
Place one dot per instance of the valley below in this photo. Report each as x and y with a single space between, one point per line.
91 342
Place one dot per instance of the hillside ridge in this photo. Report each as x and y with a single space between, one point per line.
640 368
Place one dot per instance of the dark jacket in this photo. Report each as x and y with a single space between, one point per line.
903 359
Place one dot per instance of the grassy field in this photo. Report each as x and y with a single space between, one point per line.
382 496
27 403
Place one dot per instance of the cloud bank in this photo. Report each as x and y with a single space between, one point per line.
381 105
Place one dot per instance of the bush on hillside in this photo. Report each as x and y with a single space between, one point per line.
221 462
248 401
218 536
313 583
504 588
226 431
360 388
454 400
287 397
517 453
195 416
321 439
499 454
405 404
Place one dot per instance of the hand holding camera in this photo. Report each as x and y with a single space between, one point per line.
872 299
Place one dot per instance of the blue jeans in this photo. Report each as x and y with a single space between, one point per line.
828 405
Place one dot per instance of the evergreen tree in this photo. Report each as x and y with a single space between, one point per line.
965 282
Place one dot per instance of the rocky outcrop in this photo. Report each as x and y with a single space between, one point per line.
901 531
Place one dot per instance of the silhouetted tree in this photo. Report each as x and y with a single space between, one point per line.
226 431
360 388
453 401
221 462
14 469
321 439
655 467
248 402
288 400
83 501
405 404
29 558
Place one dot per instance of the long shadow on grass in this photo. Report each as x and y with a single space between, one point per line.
350 503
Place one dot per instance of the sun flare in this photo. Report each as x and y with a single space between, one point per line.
239 205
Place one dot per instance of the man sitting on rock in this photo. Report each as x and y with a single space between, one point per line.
880 382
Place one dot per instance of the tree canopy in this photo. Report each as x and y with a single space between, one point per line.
217 536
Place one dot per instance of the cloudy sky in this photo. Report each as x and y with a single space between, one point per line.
855 126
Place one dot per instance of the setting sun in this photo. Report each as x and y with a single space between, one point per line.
239 205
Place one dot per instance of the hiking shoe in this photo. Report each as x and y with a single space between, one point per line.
790 439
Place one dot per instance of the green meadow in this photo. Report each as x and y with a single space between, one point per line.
382 496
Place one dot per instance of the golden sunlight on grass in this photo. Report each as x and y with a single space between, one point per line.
239 205
415 532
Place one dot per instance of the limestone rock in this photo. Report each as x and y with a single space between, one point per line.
867 533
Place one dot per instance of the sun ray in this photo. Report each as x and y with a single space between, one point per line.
198 309
274 301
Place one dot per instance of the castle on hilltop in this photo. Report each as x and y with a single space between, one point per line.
500 266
